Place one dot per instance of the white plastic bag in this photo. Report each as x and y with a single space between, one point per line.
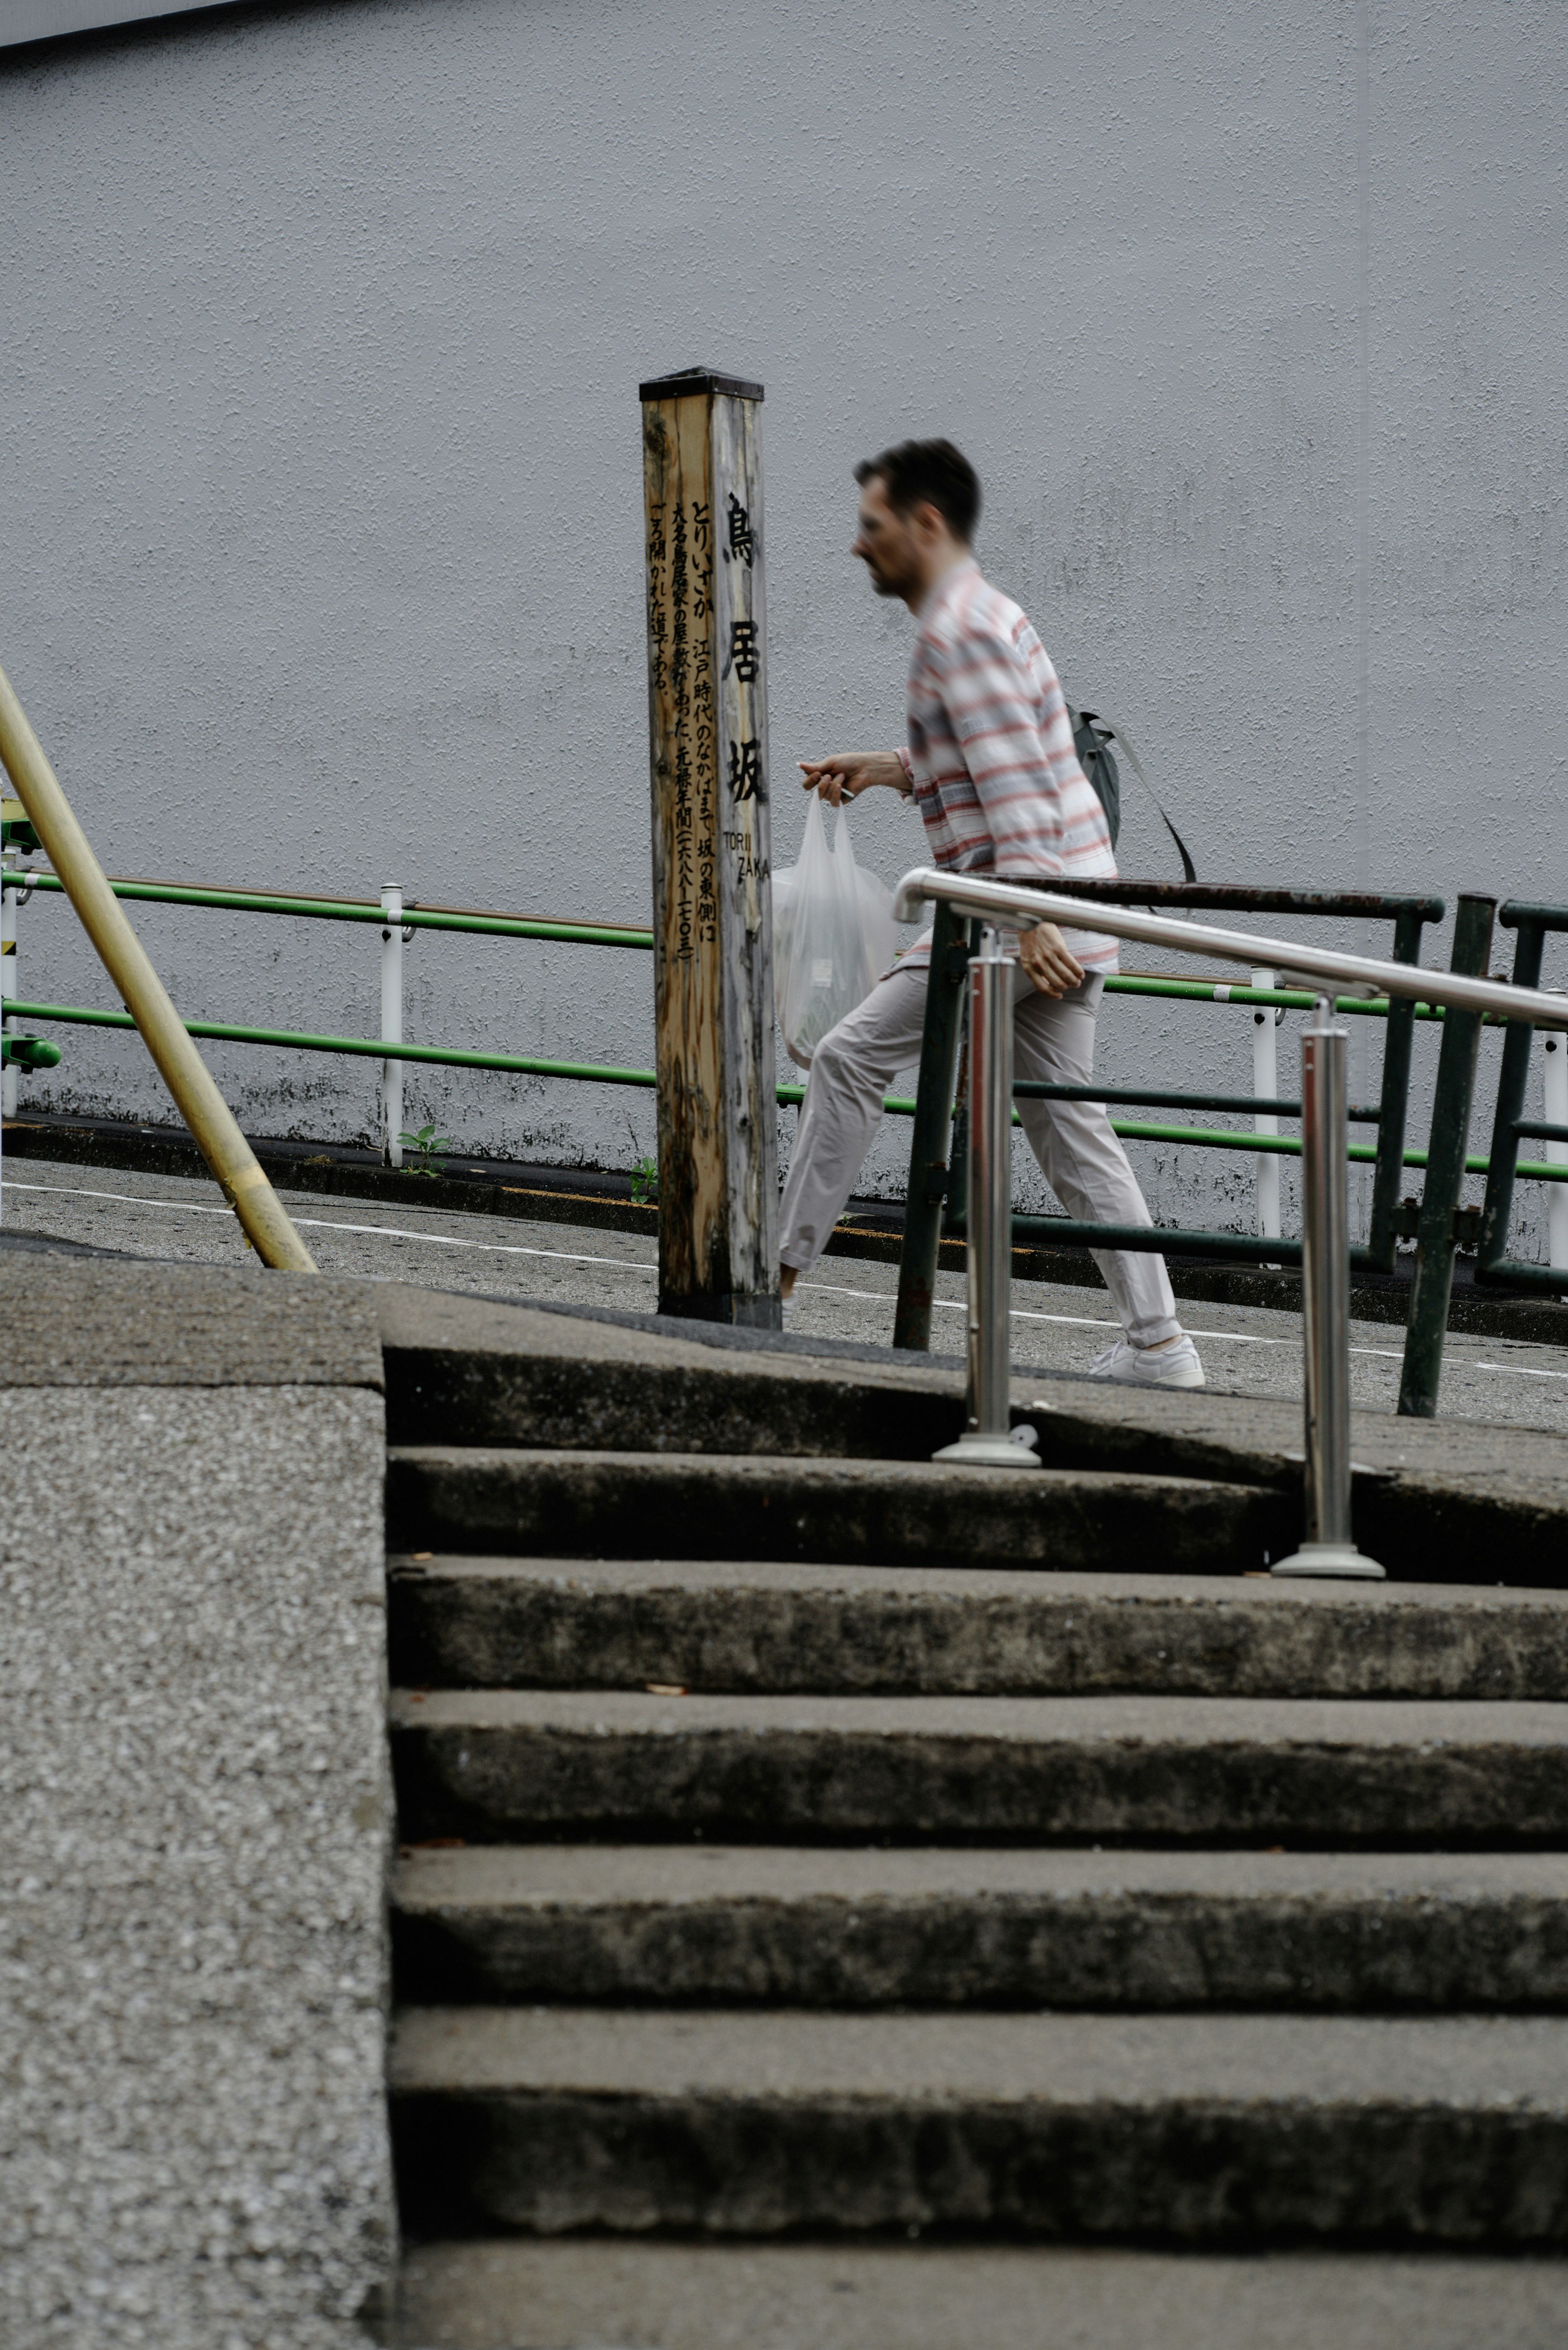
832 935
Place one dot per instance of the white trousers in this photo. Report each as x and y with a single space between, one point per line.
1085 1166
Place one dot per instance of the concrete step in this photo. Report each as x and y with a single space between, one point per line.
874 1513
786 1927
1435 1501
557 1623
499 1764
1200 2130
518 2293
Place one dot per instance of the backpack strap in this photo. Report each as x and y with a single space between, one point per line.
1094 733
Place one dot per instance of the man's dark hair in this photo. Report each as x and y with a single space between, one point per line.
927 473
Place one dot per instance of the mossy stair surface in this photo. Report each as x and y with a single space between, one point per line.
766 1628
824 1927
1223 2129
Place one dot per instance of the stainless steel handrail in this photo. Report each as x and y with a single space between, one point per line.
1015 906
987 1442
1327 1545
1327 1548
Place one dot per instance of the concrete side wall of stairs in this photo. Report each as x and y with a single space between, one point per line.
194 1809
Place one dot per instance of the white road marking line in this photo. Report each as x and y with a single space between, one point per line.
954 1305
125 1198
503 1248
1089 1322
632 1265
329 1224
1228 1338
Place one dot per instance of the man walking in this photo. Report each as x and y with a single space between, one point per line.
991 766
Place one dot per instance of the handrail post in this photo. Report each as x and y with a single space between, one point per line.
391 1020
1554 1090
930 1144
1394 1103
212 1124
1512 1078
1428 1321
985 1442
1327 1548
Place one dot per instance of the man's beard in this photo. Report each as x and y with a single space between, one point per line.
882 583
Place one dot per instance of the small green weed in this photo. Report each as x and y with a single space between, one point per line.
645 1183
424 1146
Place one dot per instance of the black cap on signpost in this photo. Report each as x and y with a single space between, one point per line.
686 381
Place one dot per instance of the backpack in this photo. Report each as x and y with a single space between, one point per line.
1091 738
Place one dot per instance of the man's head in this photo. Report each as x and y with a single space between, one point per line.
919 506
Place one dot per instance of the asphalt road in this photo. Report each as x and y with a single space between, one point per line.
1247 1350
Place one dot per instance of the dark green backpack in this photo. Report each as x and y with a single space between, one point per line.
1091 738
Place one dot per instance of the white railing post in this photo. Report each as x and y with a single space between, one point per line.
391 1020
1555 1088
1266 1088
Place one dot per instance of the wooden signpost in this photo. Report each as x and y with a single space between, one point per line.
713 931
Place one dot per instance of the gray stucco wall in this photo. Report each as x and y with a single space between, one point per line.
319 463
194 1810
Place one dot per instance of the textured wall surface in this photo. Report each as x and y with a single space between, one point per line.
195 1819
319 482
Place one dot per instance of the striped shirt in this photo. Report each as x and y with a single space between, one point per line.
990 750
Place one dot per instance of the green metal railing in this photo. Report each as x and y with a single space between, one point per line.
299 1040
933 1186
365 909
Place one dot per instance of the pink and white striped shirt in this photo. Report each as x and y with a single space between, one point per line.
990 750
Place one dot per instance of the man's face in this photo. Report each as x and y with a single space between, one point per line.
886 542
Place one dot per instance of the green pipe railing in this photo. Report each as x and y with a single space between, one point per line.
1285 999
369 1048
603 934
360 909
373 1049
1388 1159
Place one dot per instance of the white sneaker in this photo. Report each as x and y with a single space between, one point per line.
1173 1365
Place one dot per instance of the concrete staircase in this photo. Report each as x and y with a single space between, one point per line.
787 1858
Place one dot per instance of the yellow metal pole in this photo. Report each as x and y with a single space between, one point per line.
212 1122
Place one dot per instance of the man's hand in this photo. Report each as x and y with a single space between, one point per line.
851 772
1045 955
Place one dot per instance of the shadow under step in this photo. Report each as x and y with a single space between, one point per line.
727 1626
1198 2131
498 1765
783 1927
873 1513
